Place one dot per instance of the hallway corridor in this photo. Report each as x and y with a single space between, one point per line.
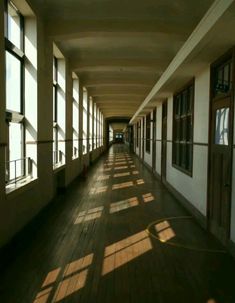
91 245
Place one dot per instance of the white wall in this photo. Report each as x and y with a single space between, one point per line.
194 188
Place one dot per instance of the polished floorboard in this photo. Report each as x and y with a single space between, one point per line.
90 245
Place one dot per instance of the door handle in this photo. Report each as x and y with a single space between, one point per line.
226 185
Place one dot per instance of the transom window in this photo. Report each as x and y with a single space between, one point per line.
222 78
183 129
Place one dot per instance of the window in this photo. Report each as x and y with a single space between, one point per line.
90 124
95 127
102 130
17 165
56 155
85 121
147 146
98 127
183 129
75 118
58 111
110 134
222 78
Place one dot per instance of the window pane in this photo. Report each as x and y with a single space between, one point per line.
221 127
13 23
16 150
13 83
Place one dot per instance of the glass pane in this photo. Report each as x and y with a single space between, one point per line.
13 23
190 99
184 100
189 129
54 104
221 126
54 70
13 83
16 150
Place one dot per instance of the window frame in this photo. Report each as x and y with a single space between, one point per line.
12 116
182 120
56 157
75 130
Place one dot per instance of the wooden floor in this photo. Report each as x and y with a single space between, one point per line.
91 245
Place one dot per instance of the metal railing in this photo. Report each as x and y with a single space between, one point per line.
16 170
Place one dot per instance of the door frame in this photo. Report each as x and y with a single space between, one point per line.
143 141
231 95
163 177
154 131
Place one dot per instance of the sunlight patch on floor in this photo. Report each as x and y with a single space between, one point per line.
121 205
125 251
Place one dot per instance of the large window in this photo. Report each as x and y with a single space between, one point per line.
90 124
183 129
58 111
17 166
110 134
95 126
85 121
148 132
102 130
98 127
56 154
75 118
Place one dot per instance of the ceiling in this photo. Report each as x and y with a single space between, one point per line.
120 49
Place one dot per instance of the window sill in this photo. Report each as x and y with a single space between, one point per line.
75 158
20 186
189 173
59 166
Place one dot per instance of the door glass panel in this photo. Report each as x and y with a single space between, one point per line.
222 126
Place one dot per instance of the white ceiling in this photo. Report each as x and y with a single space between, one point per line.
120 49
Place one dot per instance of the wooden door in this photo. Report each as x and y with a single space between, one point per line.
220 168
154 141
164 141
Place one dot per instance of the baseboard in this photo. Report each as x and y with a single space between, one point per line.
187 205
180 198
